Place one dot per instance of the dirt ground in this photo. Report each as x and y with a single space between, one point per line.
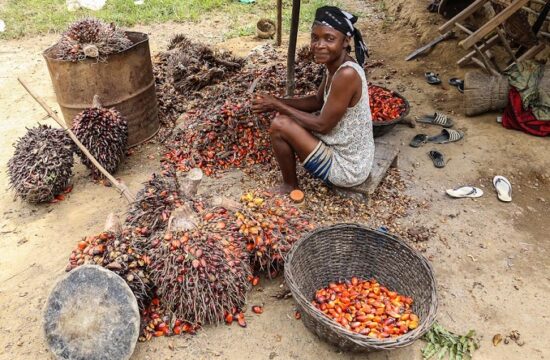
492 265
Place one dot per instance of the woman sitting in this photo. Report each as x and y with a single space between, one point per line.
337 145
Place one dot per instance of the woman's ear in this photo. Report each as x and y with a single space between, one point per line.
347 42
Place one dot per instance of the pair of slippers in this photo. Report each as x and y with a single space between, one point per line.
433 79
502 186
446 136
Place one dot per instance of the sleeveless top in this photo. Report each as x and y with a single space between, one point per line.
351 140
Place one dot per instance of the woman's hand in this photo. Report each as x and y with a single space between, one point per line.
264 103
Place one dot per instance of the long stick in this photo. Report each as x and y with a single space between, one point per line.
279 23
290 76
121 187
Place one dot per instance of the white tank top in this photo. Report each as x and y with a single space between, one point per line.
351 139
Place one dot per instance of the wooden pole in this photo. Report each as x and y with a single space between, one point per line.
279 22
120 186
294 22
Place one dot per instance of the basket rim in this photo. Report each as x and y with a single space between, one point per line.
403 114
358 339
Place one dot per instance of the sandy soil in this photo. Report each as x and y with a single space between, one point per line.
492 266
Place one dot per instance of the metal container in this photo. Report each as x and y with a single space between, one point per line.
124 81
380 128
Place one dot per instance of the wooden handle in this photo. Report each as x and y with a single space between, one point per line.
121 187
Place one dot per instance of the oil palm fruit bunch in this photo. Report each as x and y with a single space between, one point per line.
201 275
154 203
41 166
104 132
116 253
91 38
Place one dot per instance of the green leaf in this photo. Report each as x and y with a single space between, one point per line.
442 353
433 349
452 353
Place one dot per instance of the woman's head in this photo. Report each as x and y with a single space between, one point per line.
331 35
328 44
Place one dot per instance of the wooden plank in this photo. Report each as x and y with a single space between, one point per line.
532 52
475 6
490 25
531 11
492 13
484 47
385 156
504 42
464 28
485 59
490 71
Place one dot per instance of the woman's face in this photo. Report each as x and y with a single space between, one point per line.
327 44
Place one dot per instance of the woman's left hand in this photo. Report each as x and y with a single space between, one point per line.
264 103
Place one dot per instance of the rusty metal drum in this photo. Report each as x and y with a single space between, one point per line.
124 81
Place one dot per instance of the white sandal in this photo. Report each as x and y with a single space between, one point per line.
465 192
503 188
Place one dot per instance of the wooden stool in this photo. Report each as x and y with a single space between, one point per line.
385 157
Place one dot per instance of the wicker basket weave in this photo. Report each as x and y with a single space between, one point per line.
341 251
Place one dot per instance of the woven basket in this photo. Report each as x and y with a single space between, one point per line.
265 28
341 251
380 128
484 93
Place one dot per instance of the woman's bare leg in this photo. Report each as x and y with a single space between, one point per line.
288 140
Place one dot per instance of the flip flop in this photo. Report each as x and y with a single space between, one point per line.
437 119
437 158
432 79
465 192
503 188
446 136
458 83
419 140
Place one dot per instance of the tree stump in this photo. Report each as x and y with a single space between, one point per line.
91 314
190 183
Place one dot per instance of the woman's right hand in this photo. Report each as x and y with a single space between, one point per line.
263 103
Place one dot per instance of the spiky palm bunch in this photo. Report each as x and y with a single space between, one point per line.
91 38
104 132
202 274
41 166
116 253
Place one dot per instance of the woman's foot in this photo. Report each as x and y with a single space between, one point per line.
282 189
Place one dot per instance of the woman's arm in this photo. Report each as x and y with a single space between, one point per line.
345 84
310 103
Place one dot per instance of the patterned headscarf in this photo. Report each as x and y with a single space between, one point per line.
343 21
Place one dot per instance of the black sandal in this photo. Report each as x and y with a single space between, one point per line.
458 83
418 140
437 158
432 79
